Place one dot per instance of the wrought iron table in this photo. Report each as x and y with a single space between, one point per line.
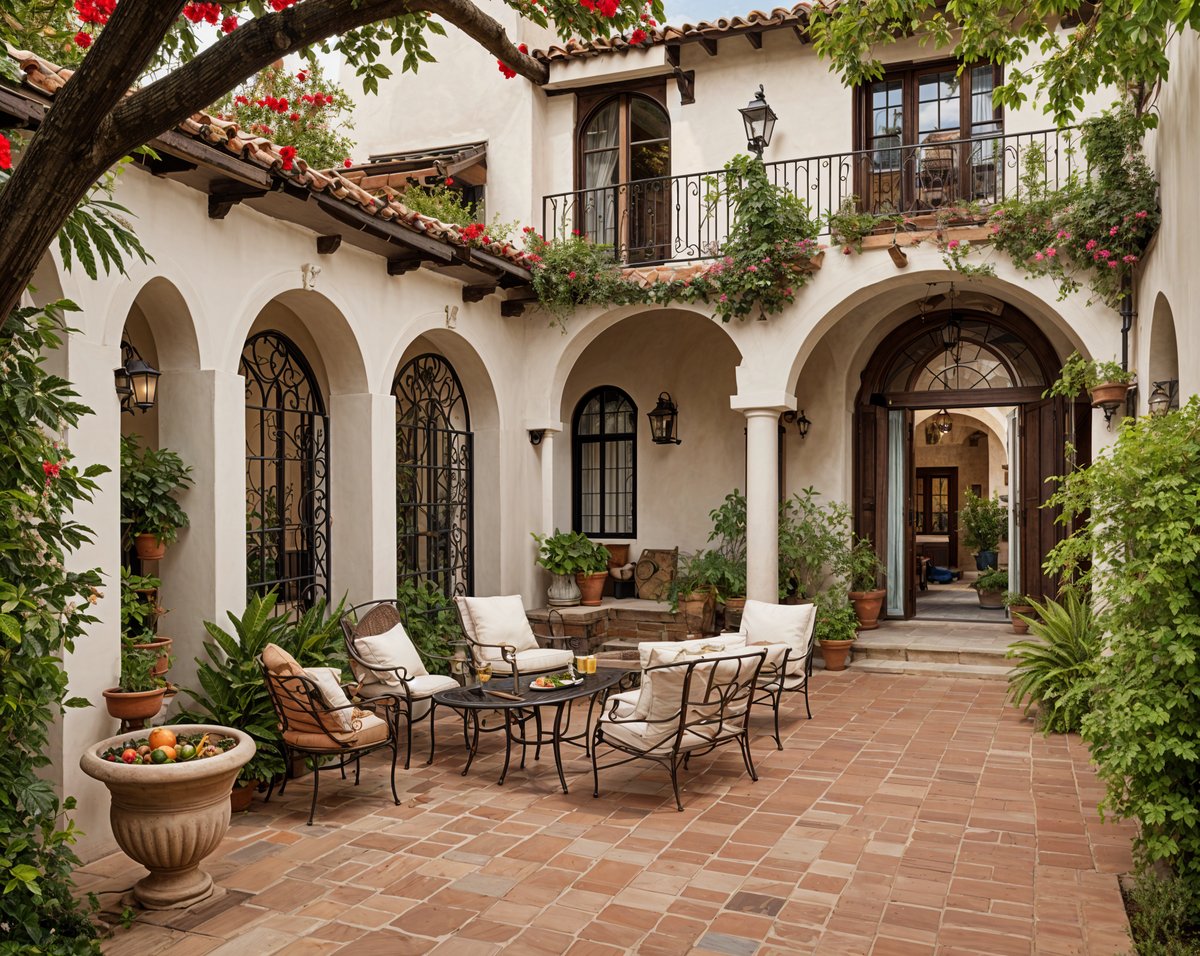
471 701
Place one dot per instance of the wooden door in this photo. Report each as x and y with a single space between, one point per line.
910 538
1043 433
870 474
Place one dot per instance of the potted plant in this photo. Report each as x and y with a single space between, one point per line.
812 541
140 613
726 563
862 569
1020 609
1106 382
983 522
692 591
836 628
139 696
990 587
150 478
574 560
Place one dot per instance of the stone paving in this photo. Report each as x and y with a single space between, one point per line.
911 815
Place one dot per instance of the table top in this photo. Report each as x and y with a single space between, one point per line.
472 697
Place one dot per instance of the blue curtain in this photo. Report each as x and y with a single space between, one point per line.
896 504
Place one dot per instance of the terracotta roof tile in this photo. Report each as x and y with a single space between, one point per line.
755 20
47 78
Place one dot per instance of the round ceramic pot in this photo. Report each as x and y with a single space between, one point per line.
986 560
563 591
1108 393
242 796
1019 625
169 817
131 708
991 599
835 654
868 605
734 608
699 612
591 587
163 646
149 548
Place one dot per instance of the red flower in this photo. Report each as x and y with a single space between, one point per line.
507 70
449 180
302 76
83 40
51 468
609 8
347 162
522 47
229 24
287 154
5 152
295 117
241 100
638 37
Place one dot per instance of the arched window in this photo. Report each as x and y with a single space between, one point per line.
604 460
625 157
287 473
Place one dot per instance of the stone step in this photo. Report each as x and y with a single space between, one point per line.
929 669
931 652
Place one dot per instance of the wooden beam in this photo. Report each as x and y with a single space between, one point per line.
165 164
399 265
224 194
476 293
673 54
233 166
965 397
710 46
755 40
801 34
685 82
24 112
328 245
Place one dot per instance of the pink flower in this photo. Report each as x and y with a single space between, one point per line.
571 274
1112 231
788 292
724 298
1052 252
1141 214
1104 253
5 152
1129 259
952 244
1063 234
1090 245
347 162
51 468
1038 257
1112 263
752 268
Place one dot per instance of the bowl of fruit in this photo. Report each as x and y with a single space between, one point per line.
170 802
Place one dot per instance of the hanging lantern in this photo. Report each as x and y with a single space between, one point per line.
663 421
143 381
943 422
1159 402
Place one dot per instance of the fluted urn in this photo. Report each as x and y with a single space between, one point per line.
169 817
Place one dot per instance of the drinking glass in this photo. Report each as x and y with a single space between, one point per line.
483 673
581 664
591 664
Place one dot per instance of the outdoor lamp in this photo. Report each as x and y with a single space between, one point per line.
663 420
760 123
1159 402
943 421
952 334
799 420
143 381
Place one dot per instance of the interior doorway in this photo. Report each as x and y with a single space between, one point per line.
953 397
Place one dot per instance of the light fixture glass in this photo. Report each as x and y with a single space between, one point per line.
143 381
1159 402
759 120
663 421
943 422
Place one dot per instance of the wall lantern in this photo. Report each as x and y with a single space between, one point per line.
800 420
1159 402
663 421
943 422
136 381
760 123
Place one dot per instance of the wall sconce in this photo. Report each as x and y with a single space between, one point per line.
759 120
535 435
136 381
1163 398
800 420
663 421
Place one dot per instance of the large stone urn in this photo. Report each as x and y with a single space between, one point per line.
169 817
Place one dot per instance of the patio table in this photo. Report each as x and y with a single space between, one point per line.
472 700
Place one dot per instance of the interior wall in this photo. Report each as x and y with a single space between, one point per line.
973 464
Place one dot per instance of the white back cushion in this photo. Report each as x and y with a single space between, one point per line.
790 624
385 652
685 650
328 681
500 620
661 694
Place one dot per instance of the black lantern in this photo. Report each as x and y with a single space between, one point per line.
943 422
952 335
136 381
1159 402
663 421
799 420
760 123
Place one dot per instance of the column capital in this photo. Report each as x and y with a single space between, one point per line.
762 402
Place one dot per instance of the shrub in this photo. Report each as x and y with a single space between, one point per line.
993 580
1164 916
813 539
984 521
836 619
150 478
570 552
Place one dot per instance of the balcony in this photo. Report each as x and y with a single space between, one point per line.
684 218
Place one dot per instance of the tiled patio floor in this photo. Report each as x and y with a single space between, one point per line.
911 815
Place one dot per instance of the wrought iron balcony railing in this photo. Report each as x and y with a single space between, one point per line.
680 218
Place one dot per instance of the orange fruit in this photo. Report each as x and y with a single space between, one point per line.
162 737
169 751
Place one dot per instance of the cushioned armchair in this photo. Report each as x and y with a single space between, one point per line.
691 701
317 719
392 672
786 627
498 633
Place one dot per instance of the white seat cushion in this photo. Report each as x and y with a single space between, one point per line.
652 738
538 660
621 706
790 624
328 681
499 620
386 652
421 689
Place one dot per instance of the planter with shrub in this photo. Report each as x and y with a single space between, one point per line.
863 569
150 479
576 562
984 522
991 587
836 628
1020 610
139 695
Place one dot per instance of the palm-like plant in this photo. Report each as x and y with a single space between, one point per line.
1056 665
233 692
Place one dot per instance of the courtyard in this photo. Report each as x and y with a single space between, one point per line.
910 815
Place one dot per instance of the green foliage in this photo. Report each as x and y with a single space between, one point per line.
836 619
570 552
150 478
1096 227
44 609
1079 375
994 580
139 607
1164 915
813 540
571 272
984 522
232 689
695 573
293 109
432 620
849 226
440 201
860 565
137 671
726 563
1017 599
1137 546
1054 669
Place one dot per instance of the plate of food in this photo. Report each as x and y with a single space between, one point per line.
555 681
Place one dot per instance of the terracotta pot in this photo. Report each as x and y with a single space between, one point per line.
699 612
618 555
1018 625
868 605
149 548
163 646
591 587
143 705
563 591
242 796
1109 393
835 654
991 599
169 817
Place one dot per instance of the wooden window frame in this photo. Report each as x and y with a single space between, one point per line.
602 440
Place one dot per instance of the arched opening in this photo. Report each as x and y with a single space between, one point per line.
951 402
604 464
1164 356
434 476
287 472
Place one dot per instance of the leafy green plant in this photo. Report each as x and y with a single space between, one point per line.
695 573
432 621
726 563
1017 599
1055 668
150 478
849 225
813 540
137 671
232 690
994 580
1136 545
571 272
139 607
861 566
570 552
1080 375
1164 915
984 521
440 201
836 620
45 606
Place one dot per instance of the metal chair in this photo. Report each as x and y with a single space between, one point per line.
528 659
